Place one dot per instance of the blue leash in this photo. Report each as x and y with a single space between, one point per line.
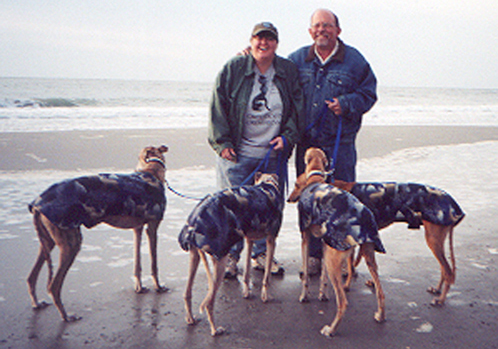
321 118
251 176
180 194
265 162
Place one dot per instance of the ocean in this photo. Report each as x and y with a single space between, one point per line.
36 104
467 171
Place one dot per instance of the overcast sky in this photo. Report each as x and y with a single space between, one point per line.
420 43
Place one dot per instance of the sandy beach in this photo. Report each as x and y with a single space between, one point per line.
99 287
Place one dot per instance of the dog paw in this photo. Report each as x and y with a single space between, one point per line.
141 290
41 305
162 289
370 283
265 298
434 290
246 291
436 302
322 297
72 318
218 332
379 317
192 321
327 331
304 299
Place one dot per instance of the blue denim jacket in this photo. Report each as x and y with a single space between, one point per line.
348 77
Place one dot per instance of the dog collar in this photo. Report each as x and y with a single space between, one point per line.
316 173
156 160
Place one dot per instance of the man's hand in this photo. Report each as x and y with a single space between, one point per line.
334 106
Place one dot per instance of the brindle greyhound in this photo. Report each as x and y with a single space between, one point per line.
415 204
221 220
122 201
342 222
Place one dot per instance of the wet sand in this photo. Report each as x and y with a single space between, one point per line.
100 289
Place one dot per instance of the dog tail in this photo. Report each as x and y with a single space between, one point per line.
358 258
46 242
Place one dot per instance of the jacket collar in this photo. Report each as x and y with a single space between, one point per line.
279 69
339 56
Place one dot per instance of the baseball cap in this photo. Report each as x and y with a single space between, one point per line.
265 27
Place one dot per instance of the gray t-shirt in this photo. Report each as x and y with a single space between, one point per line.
263 117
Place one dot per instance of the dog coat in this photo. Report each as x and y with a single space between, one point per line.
343 219
222 219
408 202
88 200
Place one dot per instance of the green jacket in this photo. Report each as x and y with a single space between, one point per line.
231 95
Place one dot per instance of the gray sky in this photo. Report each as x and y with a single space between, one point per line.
420 43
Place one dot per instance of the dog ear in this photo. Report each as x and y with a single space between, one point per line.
326 161
163 149
306 157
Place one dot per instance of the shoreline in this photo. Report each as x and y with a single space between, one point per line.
118 149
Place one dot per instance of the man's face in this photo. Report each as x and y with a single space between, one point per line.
263 45
323 30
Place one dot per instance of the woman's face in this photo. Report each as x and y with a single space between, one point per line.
263 46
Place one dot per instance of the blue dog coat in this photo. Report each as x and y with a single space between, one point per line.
340 215
222 219
408 202
88 200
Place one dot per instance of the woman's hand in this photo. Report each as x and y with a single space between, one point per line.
229 154
277 143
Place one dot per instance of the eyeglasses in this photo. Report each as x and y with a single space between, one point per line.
323 25
260 99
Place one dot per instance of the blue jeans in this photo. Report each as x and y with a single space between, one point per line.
230 174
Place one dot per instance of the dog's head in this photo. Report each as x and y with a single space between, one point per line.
270 178
151 159
316 164
315 160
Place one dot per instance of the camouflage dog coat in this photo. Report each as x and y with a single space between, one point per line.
343 219
408 202
221 220
88 200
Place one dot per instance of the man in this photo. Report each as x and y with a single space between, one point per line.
338 76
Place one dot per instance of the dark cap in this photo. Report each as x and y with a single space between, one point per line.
265 27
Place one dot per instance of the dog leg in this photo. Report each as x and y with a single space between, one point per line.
305 242
137 269
46 246
33 277
270 252
246 287
152 236
435 235
368 252
333 260
187 297
323 295
208 302
350 270
69 243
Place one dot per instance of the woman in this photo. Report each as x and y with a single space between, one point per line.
255 110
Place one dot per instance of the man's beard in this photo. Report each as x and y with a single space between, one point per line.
322 41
